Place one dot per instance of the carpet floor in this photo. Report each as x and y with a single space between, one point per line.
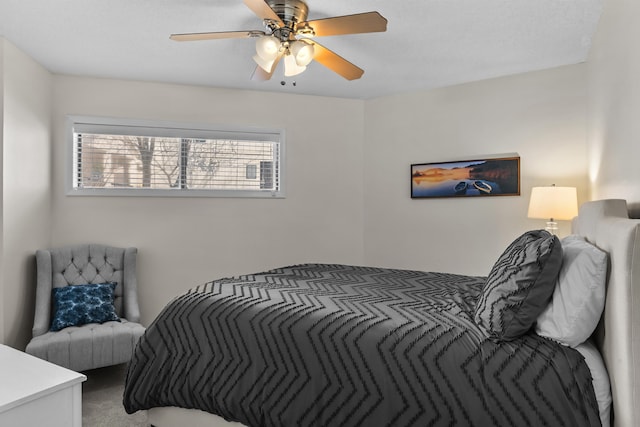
102 400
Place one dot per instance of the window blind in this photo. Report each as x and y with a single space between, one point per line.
168 159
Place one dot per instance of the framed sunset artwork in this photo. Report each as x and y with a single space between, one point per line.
466 178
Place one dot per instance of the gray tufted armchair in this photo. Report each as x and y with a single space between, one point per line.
92 345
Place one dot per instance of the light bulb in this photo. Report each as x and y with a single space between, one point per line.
267 47
302 52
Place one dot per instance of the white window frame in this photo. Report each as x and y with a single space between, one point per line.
169 129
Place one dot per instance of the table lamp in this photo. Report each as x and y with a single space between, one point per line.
553 203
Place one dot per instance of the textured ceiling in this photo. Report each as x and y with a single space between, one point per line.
428 44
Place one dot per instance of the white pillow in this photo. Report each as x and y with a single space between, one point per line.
578 299
600 380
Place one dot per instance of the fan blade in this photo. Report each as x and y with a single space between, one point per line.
259 74
336 63
369 22
263 11
217 35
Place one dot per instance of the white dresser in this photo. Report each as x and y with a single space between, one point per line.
34 392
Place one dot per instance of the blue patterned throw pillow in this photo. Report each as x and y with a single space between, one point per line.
77 305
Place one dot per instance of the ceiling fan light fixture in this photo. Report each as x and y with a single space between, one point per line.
267 47
302 52
291 68
265 64
288 33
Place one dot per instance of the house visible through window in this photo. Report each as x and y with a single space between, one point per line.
140 158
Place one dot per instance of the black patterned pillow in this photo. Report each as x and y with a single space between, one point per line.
519 285
77 305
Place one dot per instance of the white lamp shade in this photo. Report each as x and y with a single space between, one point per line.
302 52
267 47
556 203
291 68
266 65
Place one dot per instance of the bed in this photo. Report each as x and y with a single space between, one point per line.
319 345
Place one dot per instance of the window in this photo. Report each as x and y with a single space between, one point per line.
252 171
126 157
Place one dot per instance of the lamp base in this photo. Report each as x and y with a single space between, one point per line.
552 227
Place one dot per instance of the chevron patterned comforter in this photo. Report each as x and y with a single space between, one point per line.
335 345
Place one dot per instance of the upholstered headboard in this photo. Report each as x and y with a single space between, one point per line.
606 224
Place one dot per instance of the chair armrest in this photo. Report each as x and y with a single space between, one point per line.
131 309
42 317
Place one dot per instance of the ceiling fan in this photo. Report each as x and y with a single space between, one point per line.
288 34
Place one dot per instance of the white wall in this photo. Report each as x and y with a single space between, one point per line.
539 115
26 178
614 107
348 177
2 300
184 242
